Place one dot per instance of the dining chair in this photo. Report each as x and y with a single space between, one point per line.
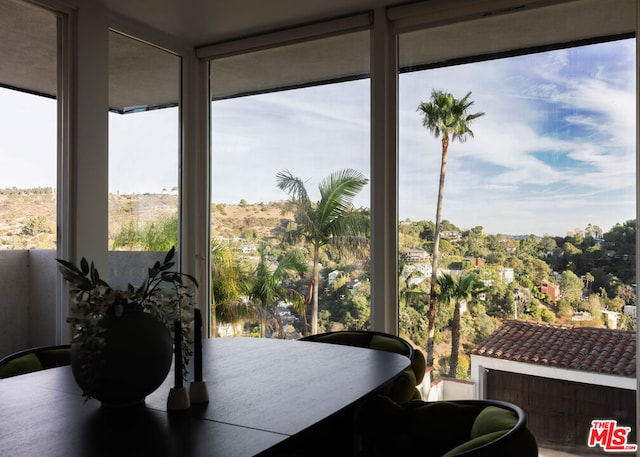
462 428
404 387
35 359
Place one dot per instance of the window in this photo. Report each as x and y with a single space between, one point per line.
306 120
28 175
545 190
144 153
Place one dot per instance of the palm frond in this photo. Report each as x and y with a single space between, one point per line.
337 192
294 186
446 116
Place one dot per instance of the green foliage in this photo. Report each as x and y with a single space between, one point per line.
565 310
219 207
159 235
266 287
570 286
27 191
464 368
248 234
36 225
162 234
414 323
477 326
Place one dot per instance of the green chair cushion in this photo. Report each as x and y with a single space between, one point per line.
448 423
419 365
52 358
474 443
392 429
402 389
346 338
25 364
493 419
384 343
441 428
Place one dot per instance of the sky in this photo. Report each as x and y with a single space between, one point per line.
555 150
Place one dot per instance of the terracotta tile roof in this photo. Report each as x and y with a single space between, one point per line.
596 350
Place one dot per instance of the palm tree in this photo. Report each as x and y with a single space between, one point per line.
446 118
467 288
411 298
228 304
267 288
408 290
332 220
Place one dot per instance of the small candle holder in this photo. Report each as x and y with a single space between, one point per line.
198 388
178 396
198 392
178 399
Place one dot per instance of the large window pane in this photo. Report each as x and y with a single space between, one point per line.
308 132
28 127
144 152
28 175
540 205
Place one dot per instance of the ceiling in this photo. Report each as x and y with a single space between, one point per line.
142 76
202 22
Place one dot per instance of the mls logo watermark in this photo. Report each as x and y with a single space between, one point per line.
610 437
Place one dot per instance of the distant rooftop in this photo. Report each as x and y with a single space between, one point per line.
595 350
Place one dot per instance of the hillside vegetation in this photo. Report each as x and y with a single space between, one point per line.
29 217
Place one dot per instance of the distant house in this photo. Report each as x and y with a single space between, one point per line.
611 318
475 261
559 375
353 286
507 275
551 289
630 310
451 235
416 255
581 316
333 276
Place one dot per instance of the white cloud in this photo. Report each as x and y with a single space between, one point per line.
555 148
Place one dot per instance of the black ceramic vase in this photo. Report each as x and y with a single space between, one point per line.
135 360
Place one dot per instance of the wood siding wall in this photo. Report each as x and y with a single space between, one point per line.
559 413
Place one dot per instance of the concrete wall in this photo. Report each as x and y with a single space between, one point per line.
42 297
444 389
28 286
14 301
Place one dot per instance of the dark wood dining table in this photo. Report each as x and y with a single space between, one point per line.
267 397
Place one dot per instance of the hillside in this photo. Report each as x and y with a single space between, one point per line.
29 219
259 220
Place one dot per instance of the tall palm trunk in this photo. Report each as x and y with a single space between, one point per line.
316 277
262 313
455 341
434 261
307 301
